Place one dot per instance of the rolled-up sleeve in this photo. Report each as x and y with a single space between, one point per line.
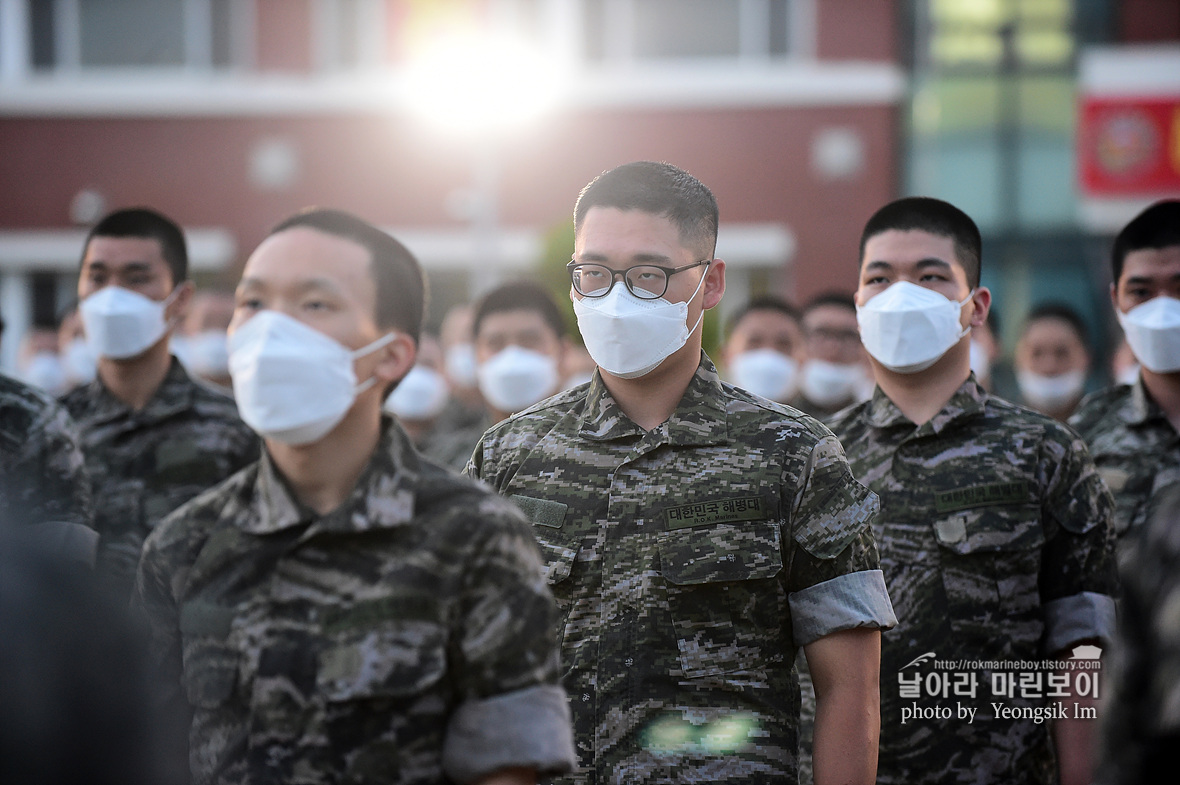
858 599
528 728
1080 617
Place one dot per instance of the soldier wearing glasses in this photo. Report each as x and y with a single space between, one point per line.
694 535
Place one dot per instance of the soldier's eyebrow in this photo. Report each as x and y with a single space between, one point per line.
933 261
129 267
639 258
320 284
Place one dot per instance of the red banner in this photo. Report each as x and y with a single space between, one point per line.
1129 146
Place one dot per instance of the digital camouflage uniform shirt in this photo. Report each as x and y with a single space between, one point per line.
144 464
996 545
1136 449
688 562
1141 713
406 635
43 480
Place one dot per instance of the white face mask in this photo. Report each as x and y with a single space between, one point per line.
516 378
79 362
421 395
629 337
292 383
1153 333
829 384
120 323
765 372
45 370
1051 392
207 353
907 327
461 365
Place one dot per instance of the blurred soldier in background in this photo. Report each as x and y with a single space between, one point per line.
78 360
520 345
520 348
764 349
836 373
1052 360
202 346
995 527
153 438
1134 429
39 362
343 611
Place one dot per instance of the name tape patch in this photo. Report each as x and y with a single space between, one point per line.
983 496
748 508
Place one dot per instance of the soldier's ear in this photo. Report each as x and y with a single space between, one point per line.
177 310
395 359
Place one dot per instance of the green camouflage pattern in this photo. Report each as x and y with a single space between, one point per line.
989 511
1136 449
42 472
144 464
672 554
1141 713
336 648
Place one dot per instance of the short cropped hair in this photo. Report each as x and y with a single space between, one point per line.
141 222
1061 312
400 285
835 299
519 296
766 302
936 217
1156 227
659 189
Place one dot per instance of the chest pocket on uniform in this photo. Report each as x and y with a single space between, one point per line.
548 518
990 565
725 607
392 647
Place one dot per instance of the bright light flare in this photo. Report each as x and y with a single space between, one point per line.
481 83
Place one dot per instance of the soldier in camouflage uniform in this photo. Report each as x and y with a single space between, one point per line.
1141 713
153 437
995 527
344 611
43 480
694 535
1133 430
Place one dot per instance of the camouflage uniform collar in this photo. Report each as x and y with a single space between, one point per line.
1139 408
699 419
175 394
383 496
967 401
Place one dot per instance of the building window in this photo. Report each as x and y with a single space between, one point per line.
169 34
350 34
652 31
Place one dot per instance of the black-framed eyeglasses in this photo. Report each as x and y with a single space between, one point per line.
645 281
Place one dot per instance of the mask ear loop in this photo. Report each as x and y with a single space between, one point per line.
966 330
174 322
694 294
369 348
